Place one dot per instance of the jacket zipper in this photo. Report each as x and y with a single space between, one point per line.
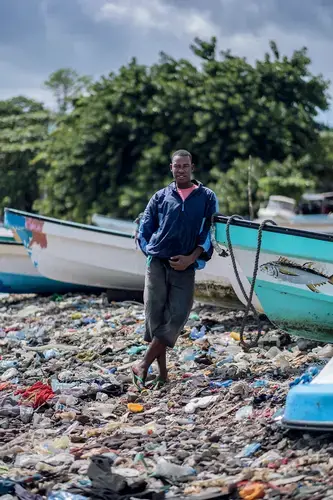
191 194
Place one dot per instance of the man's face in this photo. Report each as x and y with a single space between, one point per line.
181 168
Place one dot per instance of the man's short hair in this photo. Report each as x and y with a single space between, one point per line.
181 152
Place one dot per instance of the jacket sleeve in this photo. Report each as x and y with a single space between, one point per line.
148 224
204 239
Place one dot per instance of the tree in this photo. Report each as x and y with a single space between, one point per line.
23 128
112 151
93 150
66 85
290 178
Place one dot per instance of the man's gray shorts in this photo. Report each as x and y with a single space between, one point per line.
168 298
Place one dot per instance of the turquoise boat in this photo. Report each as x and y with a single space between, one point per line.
292 274
294 282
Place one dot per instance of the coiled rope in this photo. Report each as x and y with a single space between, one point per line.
248 298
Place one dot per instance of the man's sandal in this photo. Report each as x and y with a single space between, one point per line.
137 381
157 383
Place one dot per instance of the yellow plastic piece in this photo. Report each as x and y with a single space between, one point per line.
252 491
135 407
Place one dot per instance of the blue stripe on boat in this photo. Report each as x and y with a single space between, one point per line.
285 244
20 283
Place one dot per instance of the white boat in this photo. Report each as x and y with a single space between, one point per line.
313 213
19 275
278 208
124 226
98 257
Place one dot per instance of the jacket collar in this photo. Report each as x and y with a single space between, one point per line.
194 181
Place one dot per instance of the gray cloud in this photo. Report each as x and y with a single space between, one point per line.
97 36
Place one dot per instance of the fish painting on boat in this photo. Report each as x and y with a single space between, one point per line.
306 274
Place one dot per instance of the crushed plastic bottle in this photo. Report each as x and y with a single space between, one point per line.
51 353
249 450
61 386
260 383
197 334
64 495
220 383
6 364
26 413
136 349
244 412
188 354
200 403
171 471
18 335
9 374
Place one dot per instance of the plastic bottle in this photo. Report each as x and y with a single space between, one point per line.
8 374
6 364
197 334
67 400
244 412
18 335
172 471
188 355
136 349
26 413
64 495
260 383
217 383
61 386
50 354
228 359
249 450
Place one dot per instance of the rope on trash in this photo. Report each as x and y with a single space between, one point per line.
249 306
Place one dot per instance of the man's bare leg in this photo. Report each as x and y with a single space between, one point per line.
156 349
162 366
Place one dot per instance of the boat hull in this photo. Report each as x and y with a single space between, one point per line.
294 282
98 257
18 275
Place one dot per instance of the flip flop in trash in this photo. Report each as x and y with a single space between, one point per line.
157 383
137 381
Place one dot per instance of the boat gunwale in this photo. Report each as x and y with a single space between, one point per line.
75 225
218 218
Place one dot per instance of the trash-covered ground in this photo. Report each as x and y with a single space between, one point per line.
72 426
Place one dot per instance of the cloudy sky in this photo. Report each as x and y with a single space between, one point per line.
97 36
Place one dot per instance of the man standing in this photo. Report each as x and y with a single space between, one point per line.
174 234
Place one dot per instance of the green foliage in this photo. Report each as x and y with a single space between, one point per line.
67 85
23 129
110 147
291 178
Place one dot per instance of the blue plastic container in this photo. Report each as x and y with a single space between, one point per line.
309 407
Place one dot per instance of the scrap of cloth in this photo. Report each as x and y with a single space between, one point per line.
168 298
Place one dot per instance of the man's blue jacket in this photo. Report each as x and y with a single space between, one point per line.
171 226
